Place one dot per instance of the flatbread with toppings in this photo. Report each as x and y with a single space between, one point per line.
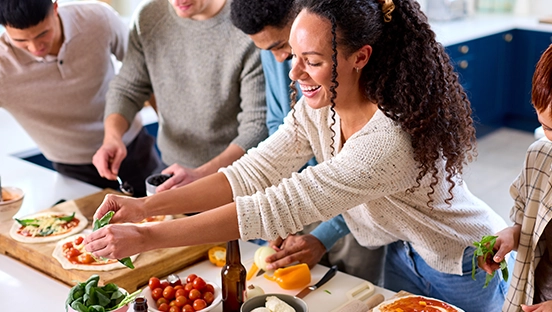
47 227
415 303
157 219
70 253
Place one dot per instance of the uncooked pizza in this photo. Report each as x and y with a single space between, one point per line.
47 227
70 253
417 304
157 219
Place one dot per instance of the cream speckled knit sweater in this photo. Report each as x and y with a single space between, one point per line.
368 177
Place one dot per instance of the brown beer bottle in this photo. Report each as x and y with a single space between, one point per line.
233 279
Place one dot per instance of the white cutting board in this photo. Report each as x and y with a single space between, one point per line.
317 301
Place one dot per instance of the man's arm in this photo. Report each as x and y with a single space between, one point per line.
109 156
119 34
277 90
308 248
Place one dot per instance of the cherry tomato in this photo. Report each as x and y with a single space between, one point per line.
71 253
194 294
68 245
163 307
157 293
177 287
181 301
174 309
181 292
209 297
160 301
199 304
86 258
199 283
188 308
172 303
208 288
153 283
191 278
168 292
78 240
164 284
188 287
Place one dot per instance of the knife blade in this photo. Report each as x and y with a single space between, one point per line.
328 276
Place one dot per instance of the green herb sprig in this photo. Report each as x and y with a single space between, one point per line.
89 297
484 248
103 221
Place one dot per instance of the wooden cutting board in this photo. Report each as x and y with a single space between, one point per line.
160 263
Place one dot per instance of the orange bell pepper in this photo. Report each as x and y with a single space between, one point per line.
217 256
292 277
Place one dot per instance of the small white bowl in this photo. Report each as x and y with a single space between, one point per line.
9 207
152 305
121 309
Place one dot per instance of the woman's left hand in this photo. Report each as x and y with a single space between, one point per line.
117 241
540 307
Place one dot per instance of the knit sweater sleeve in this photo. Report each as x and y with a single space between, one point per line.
129 90
119 35
272 204
252 127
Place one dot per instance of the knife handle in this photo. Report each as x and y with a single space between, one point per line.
328 276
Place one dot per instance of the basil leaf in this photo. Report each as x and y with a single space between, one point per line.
67 218
127 262
27 222
103 221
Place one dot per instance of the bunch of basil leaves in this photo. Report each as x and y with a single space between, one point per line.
103 221
88 297
484 248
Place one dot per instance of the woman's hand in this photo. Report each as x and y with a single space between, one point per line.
117 241
506 241
127 209
540 307
181 176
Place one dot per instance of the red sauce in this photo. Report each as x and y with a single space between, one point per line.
66 227
71 253
418 304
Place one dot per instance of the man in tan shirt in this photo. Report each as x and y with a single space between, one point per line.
55 67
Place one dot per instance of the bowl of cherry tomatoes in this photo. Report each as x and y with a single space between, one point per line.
190 294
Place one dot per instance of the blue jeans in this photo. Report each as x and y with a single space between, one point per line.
406 270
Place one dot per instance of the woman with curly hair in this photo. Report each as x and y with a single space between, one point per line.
389 124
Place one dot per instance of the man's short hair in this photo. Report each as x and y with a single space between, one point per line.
251 16
22 14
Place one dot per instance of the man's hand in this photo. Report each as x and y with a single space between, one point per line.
541 307
181 176
108 158
295 248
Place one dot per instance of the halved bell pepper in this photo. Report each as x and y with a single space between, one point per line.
217 256
291 277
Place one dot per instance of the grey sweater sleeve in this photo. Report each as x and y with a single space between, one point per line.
129 90
252 119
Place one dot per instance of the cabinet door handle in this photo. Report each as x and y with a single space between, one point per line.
508 37
463 64
464 49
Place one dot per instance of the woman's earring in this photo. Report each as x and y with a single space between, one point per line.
356 68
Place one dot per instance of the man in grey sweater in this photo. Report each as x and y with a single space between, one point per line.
208 83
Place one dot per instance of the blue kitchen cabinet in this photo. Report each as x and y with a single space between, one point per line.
528 47
478 64
496 72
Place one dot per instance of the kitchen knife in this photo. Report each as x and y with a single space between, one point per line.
328 276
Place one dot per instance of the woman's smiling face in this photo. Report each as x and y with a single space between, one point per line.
311 43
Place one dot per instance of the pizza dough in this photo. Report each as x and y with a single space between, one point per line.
83 222
106 265
415 303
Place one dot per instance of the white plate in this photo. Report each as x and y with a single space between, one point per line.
152 305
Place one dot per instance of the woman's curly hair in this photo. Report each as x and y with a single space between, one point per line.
409 76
